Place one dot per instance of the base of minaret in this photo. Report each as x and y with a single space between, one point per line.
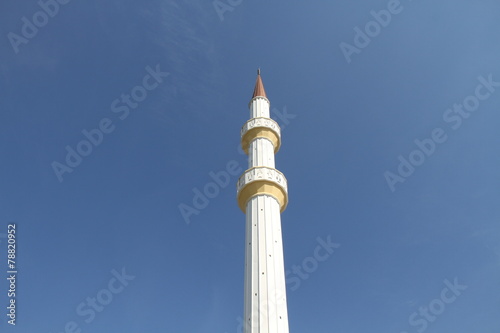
265 306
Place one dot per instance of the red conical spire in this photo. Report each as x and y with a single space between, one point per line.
259 87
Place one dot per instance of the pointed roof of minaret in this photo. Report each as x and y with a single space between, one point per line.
259 87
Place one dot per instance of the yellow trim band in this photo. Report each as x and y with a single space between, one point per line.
262 187
260 132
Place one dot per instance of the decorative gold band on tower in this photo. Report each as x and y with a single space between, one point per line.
260 127
262 181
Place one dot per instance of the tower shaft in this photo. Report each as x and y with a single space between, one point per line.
262 196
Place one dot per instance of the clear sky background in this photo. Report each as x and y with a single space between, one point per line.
345 119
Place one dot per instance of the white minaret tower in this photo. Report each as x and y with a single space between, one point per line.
262 196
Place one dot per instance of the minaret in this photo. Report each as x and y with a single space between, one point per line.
262 196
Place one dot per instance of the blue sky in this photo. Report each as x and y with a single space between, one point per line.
416 249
